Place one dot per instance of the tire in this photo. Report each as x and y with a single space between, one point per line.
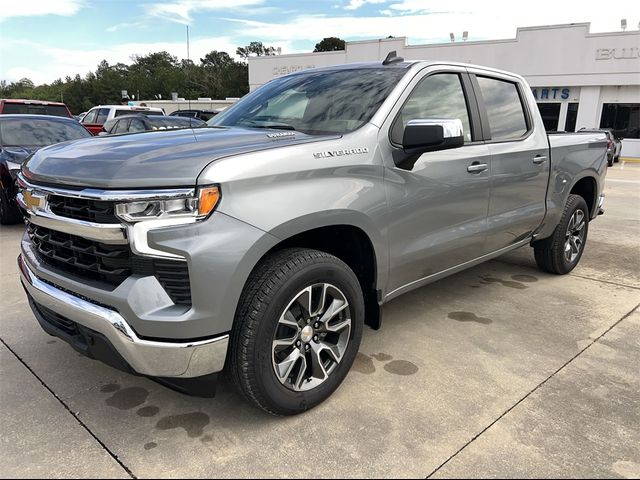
551 253
277 288
9 214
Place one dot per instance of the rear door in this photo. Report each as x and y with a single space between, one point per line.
519 166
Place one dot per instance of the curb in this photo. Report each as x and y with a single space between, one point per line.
630 160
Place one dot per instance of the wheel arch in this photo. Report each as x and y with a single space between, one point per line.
351 238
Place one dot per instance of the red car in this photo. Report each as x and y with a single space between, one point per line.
34 107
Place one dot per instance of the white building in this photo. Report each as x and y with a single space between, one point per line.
580 79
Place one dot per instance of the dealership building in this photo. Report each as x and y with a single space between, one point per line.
580 79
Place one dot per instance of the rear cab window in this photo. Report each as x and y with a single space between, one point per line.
35 109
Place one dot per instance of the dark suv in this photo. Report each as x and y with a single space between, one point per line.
201 114
142 123
20 137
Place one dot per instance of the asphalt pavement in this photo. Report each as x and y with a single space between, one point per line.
499 371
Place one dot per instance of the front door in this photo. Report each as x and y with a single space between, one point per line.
438 204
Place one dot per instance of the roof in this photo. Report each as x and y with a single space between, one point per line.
404 65
128 107
28 101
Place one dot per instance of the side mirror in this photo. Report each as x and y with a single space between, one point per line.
428 135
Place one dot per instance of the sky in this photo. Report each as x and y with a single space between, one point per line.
48 39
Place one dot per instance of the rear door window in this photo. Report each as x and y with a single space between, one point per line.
505 111
103 113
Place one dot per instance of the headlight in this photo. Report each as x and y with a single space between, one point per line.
197 207
12 166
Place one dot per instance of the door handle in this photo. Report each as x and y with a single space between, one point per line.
477 167
539 159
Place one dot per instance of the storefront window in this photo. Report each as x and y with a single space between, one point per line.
550 113
622 118
572 116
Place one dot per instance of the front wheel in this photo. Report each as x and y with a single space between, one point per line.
561 252
297 330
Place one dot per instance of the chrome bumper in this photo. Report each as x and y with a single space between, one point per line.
152 358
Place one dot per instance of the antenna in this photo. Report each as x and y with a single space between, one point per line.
188 76
392 57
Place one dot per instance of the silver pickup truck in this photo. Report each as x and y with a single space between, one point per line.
264 244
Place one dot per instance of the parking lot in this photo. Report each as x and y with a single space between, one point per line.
498 371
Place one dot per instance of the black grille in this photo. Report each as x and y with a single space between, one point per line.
97 211
107 264
58 321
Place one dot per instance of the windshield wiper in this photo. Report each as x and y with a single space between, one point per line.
275 126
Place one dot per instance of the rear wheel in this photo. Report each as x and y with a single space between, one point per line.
561 252
297 330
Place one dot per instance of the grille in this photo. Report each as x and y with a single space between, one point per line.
97 211
107 264
58 321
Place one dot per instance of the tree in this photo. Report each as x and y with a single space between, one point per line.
255 48
330 44
218 75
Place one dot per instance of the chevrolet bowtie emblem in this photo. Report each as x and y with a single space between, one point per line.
33 200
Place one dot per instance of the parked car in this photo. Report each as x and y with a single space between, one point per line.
142 123
98 116
14 106
264 245
614 145
21 136
201 114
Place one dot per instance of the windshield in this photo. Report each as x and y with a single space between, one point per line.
32 132
315 103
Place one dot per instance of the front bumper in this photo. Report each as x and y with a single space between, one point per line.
145 357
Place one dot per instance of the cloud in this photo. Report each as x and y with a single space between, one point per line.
355 4
180 10
30 8
120 26
429 21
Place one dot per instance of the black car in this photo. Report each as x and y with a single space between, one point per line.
142 123
201 114
20 136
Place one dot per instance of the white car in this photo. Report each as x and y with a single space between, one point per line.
98 116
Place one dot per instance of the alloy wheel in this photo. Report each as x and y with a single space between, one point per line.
311 337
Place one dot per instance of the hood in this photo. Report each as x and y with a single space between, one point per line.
149 159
